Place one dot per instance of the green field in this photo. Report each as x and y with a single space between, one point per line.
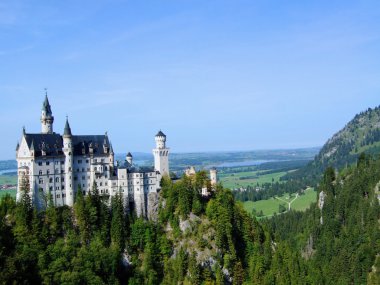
8 179
271 206
250 178
11 192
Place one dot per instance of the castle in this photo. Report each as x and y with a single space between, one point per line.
61 165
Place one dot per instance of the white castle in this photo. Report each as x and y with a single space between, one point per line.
61 165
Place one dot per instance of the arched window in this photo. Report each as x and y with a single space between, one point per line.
40 173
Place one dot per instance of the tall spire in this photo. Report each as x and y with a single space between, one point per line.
67 130
46 105
47 118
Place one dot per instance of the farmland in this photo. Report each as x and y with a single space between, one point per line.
270 206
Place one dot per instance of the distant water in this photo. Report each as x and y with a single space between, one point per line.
244 163
8 171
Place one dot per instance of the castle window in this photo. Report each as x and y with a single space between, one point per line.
40 181
83 177
63 195
95 168
58 196
47 162
51 188
82 169
86 160
80 161
106 176
47 172
62 162
77 169
40 172
62 179
63 187
101 184
102 160
56 162
62 171
40 163
105 168
83 185
56 187
51 180
56 179
75 178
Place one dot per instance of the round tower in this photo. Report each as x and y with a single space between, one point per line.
161 154
47 118
160 139
68 151
129 158
213 176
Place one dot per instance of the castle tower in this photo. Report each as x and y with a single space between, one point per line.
112 156
47 118
129 158
161 154
213 177
68 151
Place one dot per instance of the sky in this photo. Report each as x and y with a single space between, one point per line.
212 75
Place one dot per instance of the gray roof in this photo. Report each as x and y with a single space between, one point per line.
46 106
97 142
50 143
141 169
67 130
160 134
129 154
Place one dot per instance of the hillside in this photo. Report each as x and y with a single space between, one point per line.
361 134
338 240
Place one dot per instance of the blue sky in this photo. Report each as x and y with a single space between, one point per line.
213 75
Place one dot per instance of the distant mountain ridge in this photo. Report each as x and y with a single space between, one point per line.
361 134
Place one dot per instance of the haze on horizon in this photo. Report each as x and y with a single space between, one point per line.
213 75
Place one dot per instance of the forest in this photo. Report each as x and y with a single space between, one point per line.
196 239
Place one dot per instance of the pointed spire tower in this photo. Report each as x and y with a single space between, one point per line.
68 151
47 118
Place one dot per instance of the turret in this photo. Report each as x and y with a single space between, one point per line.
213 177
47 118
160 139
112 156
161 154
68 151
129 158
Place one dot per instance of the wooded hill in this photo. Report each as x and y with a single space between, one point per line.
361 134
197 240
